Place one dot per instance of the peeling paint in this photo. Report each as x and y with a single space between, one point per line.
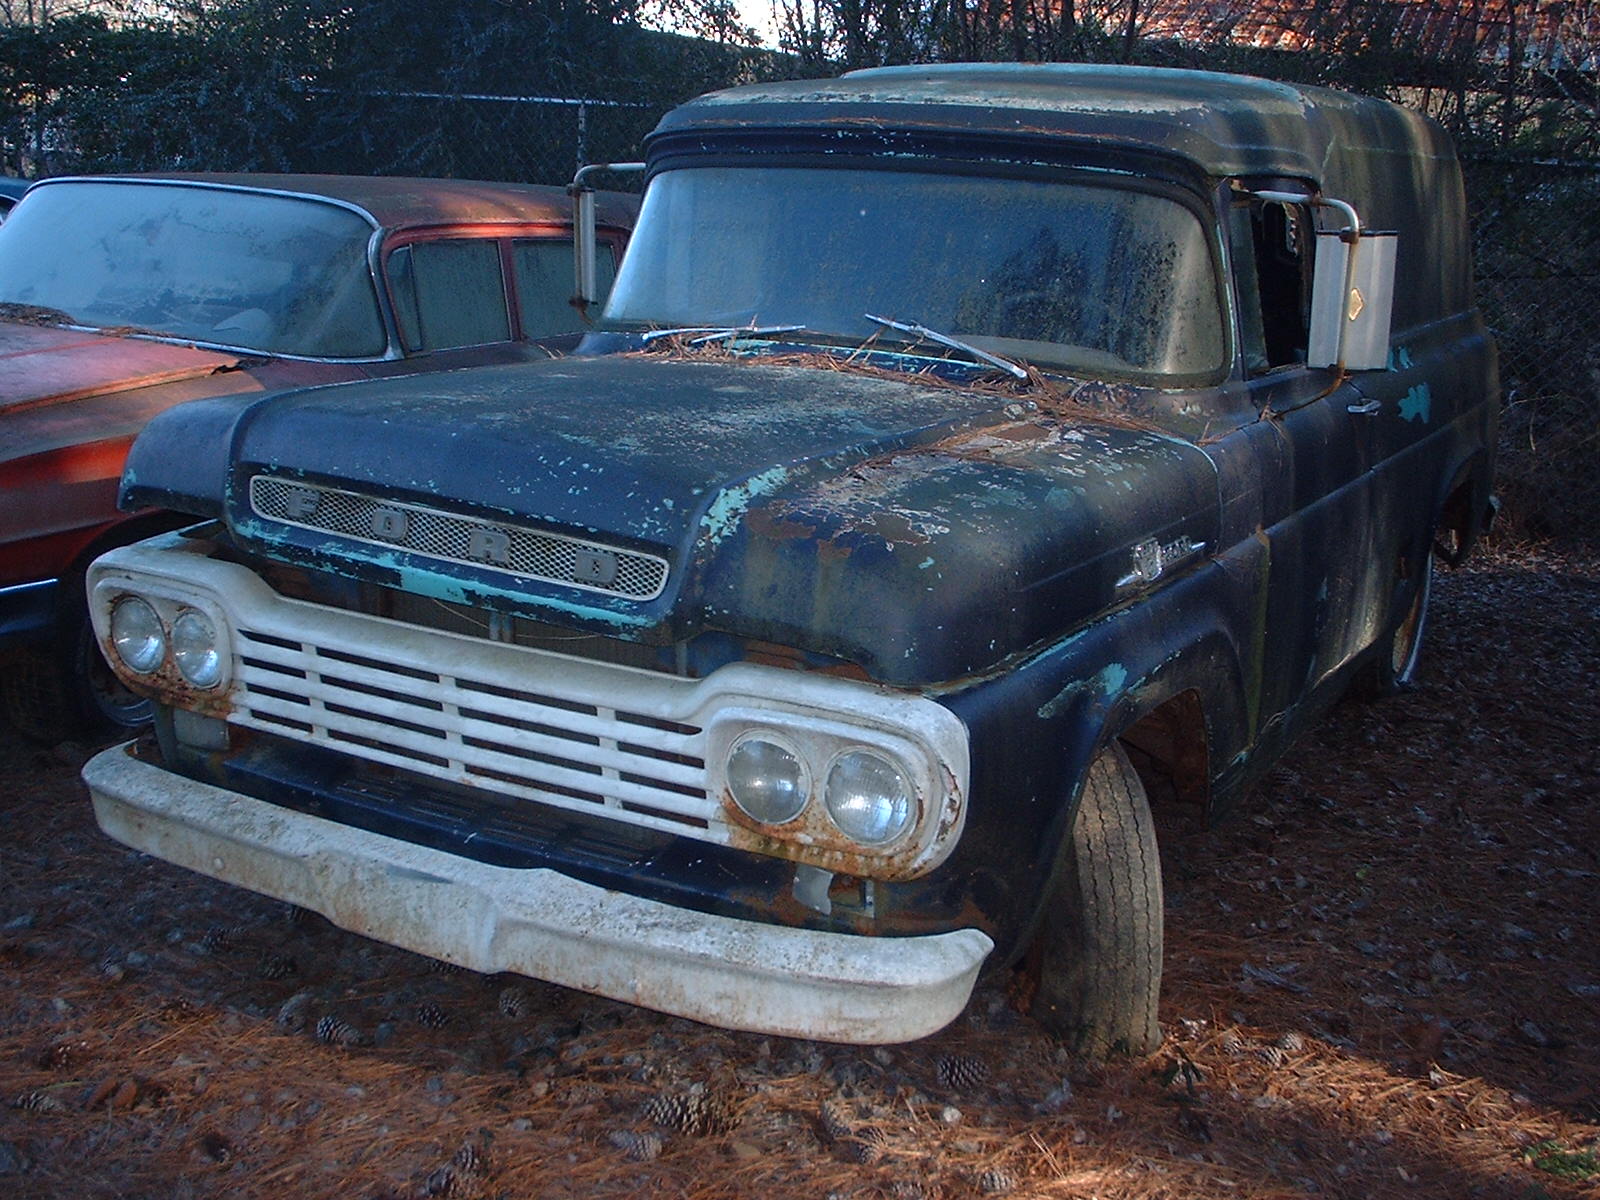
1418 404
1105 683
725 512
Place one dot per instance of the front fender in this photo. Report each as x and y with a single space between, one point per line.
1035 728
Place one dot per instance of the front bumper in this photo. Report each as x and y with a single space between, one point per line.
740 974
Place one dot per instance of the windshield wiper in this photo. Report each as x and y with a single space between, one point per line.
944 339
718 333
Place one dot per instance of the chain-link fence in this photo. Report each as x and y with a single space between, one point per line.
529 139
1537 259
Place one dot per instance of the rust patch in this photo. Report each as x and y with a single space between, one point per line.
812 839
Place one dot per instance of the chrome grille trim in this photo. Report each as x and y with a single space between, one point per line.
433 533
553 745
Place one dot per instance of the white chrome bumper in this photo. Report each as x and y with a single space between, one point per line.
739 974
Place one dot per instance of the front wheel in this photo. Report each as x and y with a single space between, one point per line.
1101 941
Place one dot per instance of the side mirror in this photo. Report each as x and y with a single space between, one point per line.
583 231
1352 290
1352 298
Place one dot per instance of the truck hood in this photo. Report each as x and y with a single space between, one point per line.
920 531
44 363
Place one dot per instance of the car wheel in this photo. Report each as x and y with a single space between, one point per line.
100 699
1394 670
33 694
66 689
1101 941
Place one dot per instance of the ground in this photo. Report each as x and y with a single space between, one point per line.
1382 980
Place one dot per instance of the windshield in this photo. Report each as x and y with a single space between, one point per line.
1101 280
273 273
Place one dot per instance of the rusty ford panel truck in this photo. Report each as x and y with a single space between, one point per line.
964 452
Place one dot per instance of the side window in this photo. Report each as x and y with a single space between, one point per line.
542 269
1271 251
449 293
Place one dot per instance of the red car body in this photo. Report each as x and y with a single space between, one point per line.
74 393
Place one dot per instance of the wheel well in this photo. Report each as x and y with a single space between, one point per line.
1460 520
133 529
1168 748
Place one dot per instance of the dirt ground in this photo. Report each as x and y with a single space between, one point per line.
1383 979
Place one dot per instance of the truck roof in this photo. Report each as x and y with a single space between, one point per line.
1225 124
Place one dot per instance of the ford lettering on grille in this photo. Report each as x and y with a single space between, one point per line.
431 533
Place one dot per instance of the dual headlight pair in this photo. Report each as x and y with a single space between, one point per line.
143 641
869 798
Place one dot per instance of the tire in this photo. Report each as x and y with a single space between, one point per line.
1100 945
1394 669
64 688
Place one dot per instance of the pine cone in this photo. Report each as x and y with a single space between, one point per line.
217 940
837 1122
514 1002
865 1147
637 1146
36 1102
1232 1043
957 1071
441 1182
1272 1056
1292 1042
431 1016
472 1158
996 1182
907 1189
277 966
697 1113
439 967
331 1031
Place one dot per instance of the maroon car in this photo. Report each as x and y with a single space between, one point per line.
120 297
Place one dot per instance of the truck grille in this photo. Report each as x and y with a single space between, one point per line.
538 740
432 533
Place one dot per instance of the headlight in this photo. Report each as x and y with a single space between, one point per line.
194 649
137 635
869 797
767 780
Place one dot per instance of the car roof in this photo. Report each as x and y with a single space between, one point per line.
397 203
1226 124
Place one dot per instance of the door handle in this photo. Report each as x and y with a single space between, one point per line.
1365 410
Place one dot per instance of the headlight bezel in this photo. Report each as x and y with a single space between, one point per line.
166 683
936 808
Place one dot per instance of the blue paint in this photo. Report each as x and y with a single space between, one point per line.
1418 404
925 564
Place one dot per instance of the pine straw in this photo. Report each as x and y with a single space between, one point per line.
1071 401
1399 847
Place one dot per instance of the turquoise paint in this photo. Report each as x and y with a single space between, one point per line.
925 564
726 511
1105 683
1418 404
